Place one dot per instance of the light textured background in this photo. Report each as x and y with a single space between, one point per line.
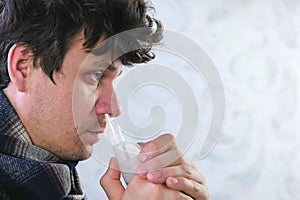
255 45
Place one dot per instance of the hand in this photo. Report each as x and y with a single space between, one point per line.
163 163
137 188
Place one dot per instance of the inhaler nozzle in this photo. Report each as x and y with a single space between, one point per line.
126 152
113 131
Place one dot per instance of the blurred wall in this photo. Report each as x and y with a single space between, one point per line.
255 45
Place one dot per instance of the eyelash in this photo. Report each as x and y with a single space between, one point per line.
97 76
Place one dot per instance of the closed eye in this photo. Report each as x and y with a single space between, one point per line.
96 76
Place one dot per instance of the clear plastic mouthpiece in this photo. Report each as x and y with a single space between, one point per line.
126 152
113 131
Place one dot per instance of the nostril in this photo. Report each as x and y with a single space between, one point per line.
102 122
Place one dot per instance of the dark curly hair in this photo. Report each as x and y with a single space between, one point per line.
48 27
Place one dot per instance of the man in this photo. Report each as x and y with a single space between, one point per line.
48 64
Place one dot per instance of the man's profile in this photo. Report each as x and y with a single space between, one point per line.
43 44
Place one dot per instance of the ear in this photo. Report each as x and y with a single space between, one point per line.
19 64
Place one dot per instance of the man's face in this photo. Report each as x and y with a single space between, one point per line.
67 118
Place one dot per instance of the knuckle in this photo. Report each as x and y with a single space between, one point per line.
202 177
105 180
152 147
195 187
169 139
169 136
194 164
102 181
205 194
187 169
201 191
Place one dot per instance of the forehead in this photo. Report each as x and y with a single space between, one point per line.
98 57
101 62
79 59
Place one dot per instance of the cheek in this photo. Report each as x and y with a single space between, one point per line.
51 113
83 105
62 111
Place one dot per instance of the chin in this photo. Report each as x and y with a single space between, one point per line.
80 154
87 153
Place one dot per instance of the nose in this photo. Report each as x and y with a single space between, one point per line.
107 102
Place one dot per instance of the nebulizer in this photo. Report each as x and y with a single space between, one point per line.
126 152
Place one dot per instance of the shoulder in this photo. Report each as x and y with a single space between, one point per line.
29 179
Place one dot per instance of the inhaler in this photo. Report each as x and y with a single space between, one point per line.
126 152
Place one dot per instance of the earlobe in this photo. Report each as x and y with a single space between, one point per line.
19 65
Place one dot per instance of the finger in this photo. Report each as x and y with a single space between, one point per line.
167 159
110 181
193 189
184 170
143 189
159 162
156 147
176 196
181 196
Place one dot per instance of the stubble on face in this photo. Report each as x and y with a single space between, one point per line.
49 120
51 125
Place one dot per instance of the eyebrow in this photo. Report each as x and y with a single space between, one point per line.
103 64
111 67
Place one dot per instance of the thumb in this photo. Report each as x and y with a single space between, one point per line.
110 181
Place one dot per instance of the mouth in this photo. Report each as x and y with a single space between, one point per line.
92 136
101 131
101 127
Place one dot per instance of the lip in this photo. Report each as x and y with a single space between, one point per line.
92 137
98 131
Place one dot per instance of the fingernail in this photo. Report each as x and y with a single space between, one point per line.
142 157
142 172
174 181
156 174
